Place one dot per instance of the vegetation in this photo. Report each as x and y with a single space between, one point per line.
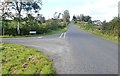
66 16
107 30
48 33
17 24
19 59
18 6
82 17
27 26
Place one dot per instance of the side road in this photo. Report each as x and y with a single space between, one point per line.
56 48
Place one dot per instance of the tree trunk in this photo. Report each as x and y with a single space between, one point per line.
2 29
2 26
18 26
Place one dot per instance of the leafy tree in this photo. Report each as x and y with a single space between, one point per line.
19 6
40 18
78 17
74 17
54 15
5 12
87 18
66 16
81 17
59 15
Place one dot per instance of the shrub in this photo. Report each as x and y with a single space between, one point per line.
32 25
10 28
62 25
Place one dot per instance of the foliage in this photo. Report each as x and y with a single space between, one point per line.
19 6
31 24
82 17
19 59
112 27
66 16
107 29
10 28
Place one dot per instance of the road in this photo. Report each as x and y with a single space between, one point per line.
76 52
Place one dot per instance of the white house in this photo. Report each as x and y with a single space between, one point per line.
97 22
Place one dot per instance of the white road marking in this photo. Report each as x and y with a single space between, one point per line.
61 35
40 37
64 35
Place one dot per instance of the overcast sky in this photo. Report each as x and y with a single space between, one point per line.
97 9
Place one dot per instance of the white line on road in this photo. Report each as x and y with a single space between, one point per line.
61 35
64 35
40 37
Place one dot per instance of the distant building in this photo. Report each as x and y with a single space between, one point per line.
97 22
119 9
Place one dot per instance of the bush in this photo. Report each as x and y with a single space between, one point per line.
32 25
25 28
62 25
10 28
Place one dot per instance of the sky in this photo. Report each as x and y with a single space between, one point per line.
97 9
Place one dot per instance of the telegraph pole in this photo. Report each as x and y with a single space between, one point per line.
119 9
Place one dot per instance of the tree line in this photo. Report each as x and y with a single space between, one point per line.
110 28
19 25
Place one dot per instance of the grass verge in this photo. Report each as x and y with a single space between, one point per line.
19 59
113 38
48 33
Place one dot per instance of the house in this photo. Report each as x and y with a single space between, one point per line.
97 22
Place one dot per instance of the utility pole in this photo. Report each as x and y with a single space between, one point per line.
119 9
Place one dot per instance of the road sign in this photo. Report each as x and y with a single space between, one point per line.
32 32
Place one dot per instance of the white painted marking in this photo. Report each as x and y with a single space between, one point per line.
64 35
40 37
61 35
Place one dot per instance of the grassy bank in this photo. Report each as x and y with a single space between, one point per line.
95 32
19 59
48 33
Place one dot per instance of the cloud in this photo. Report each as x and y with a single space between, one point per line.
97 9
100 9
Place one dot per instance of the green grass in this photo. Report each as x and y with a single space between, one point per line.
57 31
19 59
113 38
49 33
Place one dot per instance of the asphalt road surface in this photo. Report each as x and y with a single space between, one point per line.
76 52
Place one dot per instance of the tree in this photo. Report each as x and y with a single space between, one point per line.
74 17
66 16
40 18
21 5
5 12
81 17
112 27
59 15
18 6
78 17
87 18
54 15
